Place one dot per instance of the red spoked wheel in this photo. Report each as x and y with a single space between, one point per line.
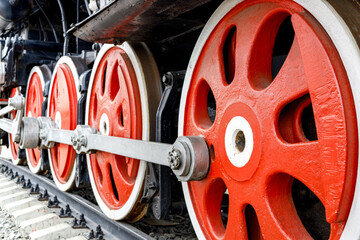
118 105
14 147
62 108
33 108
271 92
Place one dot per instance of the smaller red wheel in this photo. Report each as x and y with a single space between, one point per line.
62 108
33 108
14 147
123 84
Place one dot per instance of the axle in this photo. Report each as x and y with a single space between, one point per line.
188 157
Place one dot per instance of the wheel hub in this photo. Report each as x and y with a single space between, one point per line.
239 141
240 154
58 119
104 124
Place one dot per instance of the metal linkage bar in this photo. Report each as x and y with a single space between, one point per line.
6 110
188 157
6 125
15 103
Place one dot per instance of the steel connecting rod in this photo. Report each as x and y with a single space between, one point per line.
13 126
188 157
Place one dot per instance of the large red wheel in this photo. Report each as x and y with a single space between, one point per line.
33 108
14 147
269 86
62 108
123 83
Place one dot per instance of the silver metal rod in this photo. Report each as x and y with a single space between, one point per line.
6 125
60 136
149 151
138 149
6 110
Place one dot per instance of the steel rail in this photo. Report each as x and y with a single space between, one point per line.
93 215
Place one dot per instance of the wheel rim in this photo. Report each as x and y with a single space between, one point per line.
62 108
244 35
117 105
13 146
33 108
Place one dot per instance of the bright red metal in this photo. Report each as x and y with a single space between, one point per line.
327 166
115 93
13 146
63 100
34 102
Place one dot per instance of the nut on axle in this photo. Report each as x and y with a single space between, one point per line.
189 158
174 158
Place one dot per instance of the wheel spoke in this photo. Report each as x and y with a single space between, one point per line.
300 161
122 182
208 195
290 83
236 223
333 113
307 163
213 76
278 219
256 32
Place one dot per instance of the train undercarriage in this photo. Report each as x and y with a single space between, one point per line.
247 111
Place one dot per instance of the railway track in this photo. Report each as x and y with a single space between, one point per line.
39 221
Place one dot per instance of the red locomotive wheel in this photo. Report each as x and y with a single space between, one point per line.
13 146
62 108
33 108
117 105
268 90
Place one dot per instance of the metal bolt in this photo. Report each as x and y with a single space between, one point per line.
27 185
73 139
167 79
82 141
35 190
67 209
17 138
174 158
20 180
91 234
99 233
43 196
53 203
75 222
43 134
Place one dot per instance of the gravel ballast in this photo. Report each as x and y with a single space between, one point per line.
8 229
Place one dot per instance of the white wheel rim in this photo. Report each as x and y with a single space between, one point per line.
349 53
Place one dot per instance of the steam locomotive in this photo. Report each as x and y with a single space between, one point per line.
246 110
